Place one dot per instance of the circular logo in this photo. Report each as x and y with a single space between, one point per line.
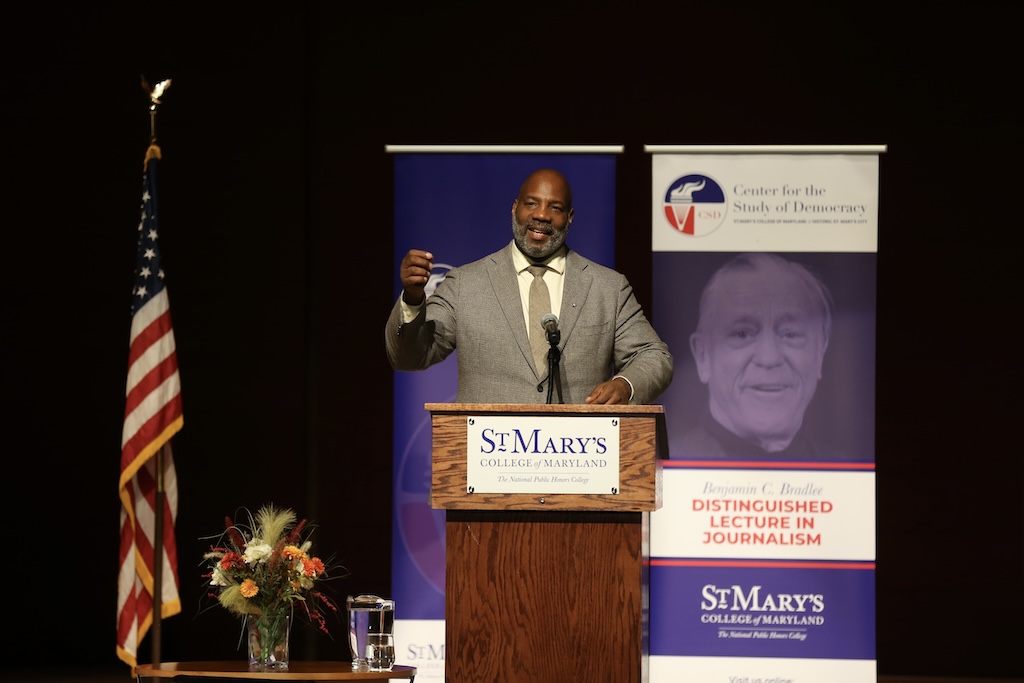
695 205
420 527
437 275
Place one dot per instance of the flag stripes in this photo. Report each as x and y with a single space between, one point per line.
153 414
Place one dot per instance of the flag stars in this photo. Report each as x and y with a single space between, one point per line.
149 276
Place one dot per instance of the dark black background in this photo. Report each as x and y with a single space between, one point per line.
276 214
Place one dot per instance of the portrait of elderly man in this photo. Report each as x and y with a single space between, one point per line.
763 331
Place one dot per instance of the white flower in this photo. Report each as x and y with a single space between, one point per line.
219 578
256 552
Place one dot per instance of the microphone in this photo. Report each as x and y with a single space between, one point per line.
550 324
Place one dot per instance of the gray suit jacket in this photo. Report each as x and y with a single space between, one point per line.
477 310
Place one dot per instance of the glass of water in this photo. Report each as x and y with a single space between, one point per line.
371 632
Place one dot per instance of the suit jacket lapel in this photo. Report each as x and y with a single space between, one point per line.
505 282
575 288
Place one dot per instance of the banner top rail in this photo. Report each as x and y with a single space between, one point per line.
765 149
513 149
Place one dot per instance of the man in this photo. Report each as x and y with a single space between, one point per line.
764 326
609 352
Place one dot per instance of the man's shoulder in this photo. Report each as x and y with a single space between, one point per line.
497 257
577 261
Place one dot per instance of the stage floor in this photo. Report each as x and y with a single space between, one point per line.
121 674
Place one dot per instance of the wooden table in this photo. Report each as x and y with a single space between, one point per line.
297 671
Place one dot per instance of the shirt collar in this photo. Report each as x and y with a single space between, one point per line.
555 262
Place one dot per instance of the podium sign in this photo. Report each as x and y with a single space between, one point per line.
552 455
547 587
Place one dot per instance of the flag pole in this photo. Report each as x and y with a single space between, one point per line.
158 503
148 484
158 555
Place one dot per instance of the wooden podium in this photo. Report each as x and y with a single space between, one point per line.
547 587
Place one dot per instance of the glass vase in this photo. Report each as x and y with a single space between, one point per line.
268 641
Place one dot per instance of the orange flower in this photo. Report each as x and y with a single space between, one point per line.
313 567
248 588
232 560
292 552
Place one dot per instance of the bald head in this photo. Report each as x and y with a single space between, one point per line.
553 180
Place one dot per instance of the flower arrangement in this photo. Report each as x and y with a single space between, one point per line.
262 570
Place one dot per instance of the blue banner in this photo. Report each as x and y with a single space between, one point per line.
458 206
758 611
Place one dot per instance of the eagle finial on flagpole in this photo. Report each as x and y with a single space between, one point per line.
155 93
163 454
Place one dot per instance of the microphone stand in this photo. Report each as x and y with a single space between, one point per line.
554 355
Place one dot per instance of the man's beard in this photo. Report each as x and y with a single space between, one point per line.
554 243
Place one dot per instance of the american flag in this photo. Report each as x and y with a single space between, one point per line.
152 415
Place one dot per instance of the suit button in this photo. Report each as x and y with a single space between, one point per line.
540 387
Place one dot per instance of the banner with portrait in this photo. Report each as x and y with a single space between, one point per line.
456 202
764 280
